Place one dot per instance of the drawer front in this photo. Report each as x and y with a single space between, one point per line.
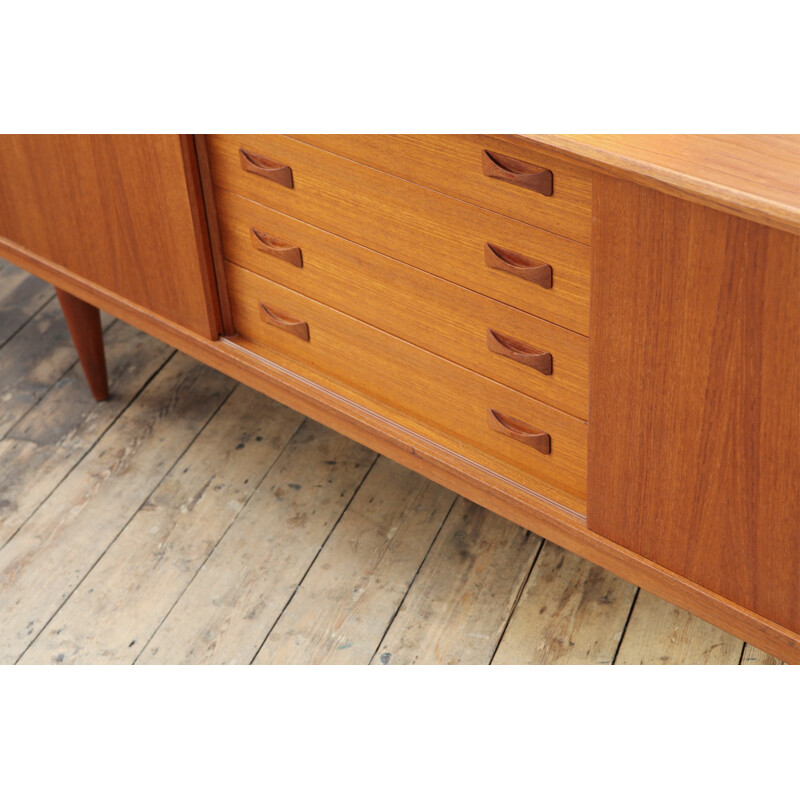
500 342
418 226
457 166
482 420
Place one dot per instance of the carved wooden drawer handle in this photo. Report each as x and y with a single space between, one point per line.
523 267
260 165
275 247
519 351
520 173
520 431
286 323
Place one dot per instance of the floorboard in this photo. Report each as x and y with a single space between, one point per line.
53 436
190 520
571 612
119 605
33 360
660 633
21 296
457 608
345 603
52 552
224 615
752 656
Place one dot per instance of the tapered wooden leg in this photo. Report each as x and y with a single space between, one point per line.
84 326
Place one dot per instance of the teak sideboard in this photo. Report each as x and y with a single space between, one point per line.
597 337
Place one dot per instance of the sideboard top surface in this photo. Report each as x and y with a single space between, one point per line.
753 176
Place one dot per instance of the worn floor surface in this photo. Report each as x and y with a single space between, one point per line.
191 520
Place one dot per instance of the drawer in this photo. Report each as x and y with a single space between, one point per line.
521 351
480 419
457 165
525 267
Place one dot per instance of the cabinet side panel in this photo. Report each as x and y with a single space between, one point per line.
694 409
119 212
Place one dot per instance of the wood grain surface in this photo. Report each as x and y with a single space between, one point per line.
440 395
352 591
413 224
752 656
458 591
123 212
659 633
452 164
115 610
49 440
21 296
535 505
86 330
694 395
38 354
224 616
413 305
571 612
754 176
106 488
205 198
155 555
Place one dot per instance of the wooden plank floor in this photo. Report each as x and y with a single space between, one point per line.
191 520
